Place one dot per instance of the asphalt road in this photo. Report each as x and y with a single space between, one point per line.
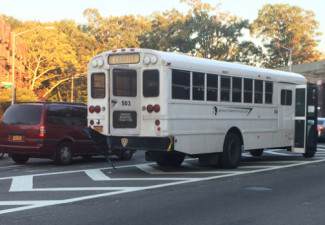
279 188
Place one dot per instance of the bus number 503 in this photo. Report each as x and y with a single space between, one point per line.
126 103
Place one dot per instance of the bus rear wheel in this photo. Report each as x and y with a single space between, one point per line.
256 152
174 159
309 154
230 157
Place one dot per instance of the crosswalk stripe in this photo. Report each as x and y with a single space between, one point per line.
21 183
97 175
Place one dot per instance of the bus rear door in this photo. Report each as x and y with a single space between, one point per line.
124 102
305 120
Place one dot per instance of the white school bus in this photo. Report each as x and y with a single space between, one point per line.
172 105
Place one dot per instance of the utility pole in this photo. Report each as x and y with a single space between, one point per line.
290 59
72 89
13 76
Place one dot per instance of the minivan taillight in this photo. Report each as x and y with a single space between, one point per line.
42 131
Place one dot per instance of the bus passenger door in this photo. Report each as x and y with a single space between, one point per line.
305 121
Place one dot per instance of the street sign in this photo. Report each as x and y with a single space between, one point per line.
5 85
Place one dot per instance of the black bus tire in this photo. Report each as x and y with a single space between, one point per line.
230 157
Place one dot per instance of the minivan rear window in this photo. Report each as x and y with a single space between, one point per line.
23 115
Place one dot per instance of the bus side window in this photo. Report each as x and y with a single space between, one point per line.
236 89
248 90
268 94
198 86
286 97
225 89
212 87
150 83
181 84
258 94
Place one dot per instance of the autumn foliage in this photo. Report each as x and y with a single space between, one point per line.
58 55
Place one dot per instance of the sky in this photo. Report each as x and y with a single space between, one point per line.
51 10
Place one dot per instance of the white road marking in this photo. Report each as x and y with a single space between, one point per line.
274 152
270 162
97 175
85 189
21 183
72 200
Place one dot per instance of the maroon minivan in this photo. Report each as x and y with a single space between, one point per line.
46 130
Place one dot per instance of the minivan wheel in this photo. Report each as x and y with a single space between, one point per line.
19 159
230 157
64 154
87 157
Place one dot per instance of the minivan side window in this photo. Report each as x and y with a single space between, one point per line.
181 84
150 83
66 115
58 115
98 85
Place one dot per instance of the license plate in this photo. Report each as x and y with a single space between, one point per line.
16 138
99 129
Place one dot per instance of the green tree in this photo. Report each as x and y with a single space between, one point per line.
115 31
282 26
167 32
204 31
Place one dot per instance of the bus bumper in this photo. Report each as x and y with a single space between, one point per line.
141 143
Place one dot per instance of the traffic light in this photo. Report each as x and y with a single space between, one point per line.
5 85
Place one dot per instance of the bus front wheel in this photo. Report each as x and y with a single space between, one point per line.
230 157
